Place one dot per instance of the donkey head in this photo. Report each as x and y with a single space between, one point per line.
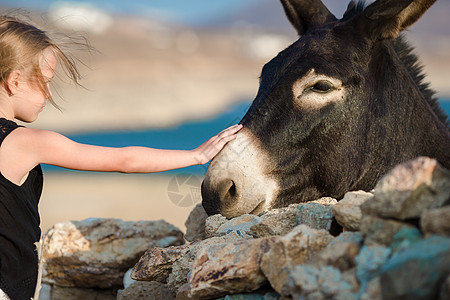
335 110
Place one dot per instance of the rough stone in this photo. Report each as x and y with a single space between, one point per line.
349 276
180 271
127 280
348 237
276 222
338 255
239 224
259 295
315 215
225 269
404 239
183 266
159 264
195 224
417 272
156 263
376 230
292 208
347 211
297 247
46 292
444 293
212 223
325 201
369 262
184 292
409 189
146 290
372 290
319 282
96 253
436 221
75 293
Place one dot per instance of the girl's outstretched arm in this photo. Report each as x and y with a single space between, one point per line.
26 147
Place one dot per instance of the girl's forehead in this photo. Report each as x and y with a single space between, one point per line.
48 62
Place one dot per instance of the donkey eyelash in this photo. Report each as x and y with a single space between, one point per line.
322 86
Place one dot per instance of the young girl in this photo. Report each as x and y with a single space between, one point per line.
28 58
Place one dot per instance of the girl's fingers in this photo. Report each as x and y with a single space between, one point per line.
230 130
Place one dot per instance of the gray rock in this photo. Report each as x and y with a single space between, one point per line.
376 230
229 268
325 201
75 293
259 295
315 215
127 280
195 224
404 239
372 290
338 255
183 266
347 211
295 248
417 272
276 222
349 276
184 292
239 224
292 208
98 252
146 290
409 189
212 223
436 221
158 263
319 282
444 293
46 292
348 237
180 271
369 262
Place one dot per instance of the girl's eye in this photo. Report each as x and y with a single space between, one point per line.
322 86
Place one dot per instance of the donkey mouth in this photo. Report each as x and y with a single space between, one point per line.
260 207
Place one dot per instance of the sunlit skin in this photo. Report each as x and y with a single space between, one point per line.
24 148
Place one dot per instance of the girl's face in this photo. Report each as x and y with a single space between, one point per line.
29 99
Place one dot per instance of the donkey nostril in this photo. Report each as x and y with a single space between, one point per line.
219 197
232 190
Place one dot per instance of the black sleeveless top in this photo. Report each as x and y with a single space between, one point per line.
19 229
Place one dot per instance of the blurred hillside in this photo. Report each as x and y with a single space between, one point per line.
149 72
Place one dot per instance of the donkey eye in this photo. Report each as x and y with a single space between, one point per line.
322 86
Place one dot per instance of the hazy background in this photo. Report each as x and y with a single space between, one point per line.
170 74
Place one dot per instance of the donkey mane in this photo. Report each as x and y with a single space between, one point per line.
411 62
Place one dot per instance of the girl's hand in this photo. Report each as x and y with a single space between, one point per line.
206 151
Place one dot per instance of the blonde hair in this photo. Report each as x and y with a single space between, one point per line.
21 48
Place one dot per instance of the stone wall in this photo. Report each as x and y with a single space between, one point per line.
390 243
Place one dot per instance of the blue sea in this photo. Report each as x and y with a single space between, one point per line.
185 136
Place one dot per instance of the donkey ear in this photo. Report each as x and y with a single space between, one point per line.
385 19
306 13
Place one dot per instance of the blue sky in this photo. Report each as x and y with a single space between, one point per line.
186 11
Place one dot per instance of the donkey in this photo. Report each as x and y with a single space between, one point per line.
335 111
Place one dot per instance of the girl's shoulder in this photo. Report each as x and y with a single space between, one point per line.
6 127
14 135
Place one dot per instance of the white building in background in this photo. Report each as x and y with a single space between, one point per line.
81 16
